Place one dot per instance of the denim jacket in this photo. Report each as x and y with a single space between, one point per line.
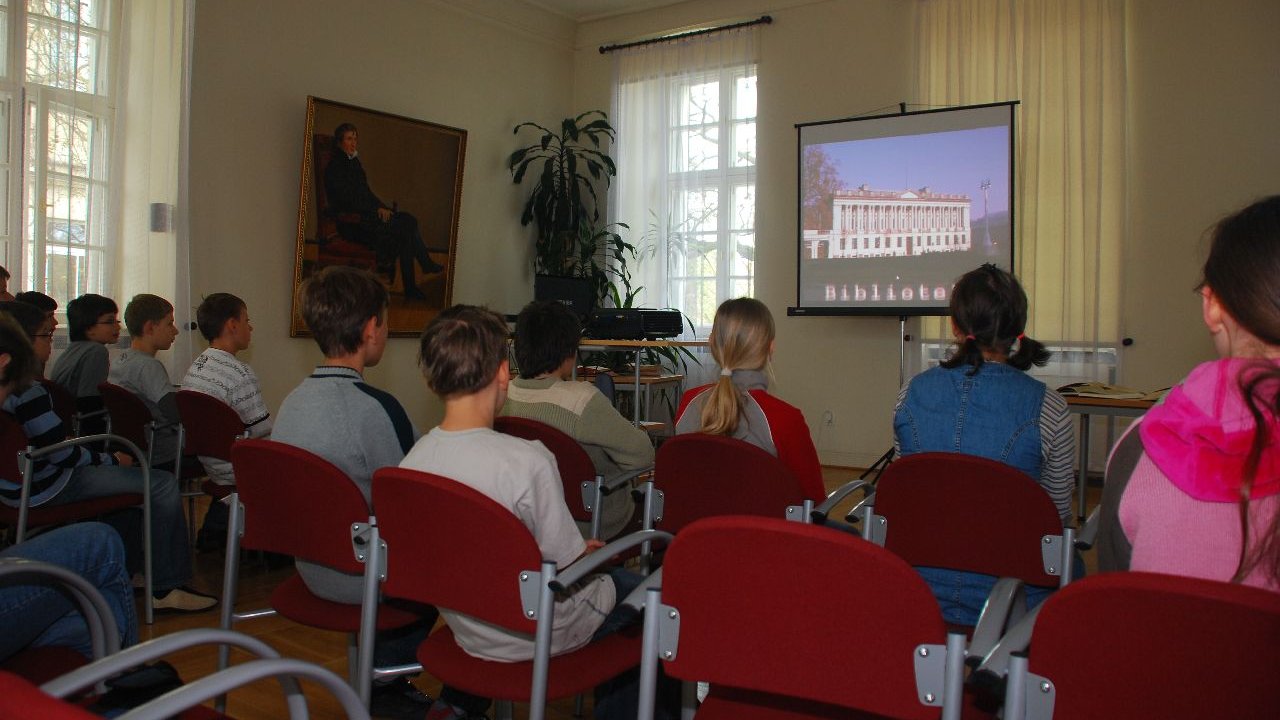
994 413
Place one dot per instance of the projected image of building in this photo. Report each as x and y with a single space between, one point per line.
891 223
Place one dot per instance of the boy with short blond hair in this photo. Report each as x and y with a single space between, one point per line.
149 319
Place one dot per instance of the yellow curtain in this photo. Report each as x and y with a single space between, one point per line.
1065 61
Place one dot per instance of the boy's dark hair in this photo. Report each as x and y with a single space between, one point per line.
39 299
145 308
989 306
4 273
336 303
547 332
84 311
22 357
29 317
215 311
461 349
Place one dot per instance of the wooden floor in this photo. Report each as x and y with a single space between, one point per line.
263 700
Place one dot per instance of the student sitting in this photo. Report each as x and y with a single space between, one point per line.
93 325
223 320
335 414
149 320
547 335
75 473
739 405
980 401
1193 486
463 354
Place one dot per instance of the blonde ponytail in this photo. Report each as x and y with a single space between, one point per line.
741 338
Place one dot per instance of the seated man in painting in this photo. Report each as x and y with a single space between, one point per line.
363 218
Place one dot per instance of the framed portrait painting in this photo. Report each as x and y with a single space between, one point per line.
380 192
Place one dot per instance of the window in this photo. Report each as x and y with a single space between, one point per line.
686 153
63 85
712 181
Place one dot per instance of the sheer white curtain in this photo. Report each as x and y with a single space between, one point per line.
1065 61
685 117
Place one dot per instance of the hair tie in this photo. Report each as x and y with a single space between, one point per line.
970 337
726 372
1022 336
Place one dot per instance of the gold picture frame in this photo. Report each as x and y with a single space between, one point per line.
394 211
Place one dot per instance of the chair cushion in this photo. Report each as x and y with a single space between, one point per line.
59 514
39 665
293 600
570 673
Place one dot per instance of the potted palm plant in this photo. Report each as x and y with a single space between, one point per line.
571 170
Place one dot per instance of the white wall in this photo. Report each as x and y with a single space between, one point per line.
482 66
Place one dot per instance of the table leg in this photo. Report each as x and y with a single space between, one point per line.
635 398
1084 466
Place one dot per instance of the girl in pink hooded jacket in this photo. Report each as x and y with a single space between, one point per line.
1193 488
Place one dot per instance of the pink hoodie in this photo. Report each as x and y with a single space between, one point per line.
1179 509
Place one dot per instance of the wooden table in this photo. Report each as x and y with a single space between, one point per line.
1109 407
638 347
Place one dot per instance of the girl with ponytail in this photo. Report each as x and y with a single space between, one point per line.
739 405
1193 488
980 401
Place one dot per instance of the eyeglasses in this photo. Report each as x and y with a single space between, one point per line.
114 321
45 335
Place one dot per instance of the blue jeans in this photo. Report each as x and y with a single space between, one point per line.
170 551
40 615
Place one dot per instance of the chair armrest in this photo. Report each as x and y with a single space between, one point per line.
1005 604
86 440
623 480
83 677
819 514
590 562
1089 533
855 513
286 669
1017 639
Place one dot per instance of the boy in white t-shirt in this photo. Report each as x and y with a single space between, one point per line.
463 353
223 320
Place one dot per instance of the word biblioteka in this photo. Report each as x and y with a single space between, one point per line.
875 292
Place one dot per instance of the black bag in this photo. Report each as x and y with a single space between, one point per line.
137 686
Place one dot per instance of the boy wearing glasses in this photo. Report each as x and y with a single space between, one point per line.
94 324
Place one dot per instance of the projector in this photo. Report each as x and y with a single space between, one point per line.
659 324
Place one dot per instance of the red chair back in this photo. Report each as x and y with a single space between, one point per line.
966 513
453 547
129 415
211 425
756 598
1159 646
297 503
21 700
64 403
573 462
707 475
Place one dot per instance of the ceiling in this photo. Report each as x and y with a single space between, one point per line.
586 10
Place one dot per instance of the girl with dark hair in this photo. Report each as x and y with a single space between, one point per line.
1193 487
980 401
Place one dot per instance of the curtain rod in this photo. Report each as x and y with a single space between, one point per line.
762 20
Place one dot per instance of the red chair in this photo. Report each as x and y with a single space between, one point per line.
293 502
584 490
453 547
962 512
699 476
1158 646
209 426
17 460
747 604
